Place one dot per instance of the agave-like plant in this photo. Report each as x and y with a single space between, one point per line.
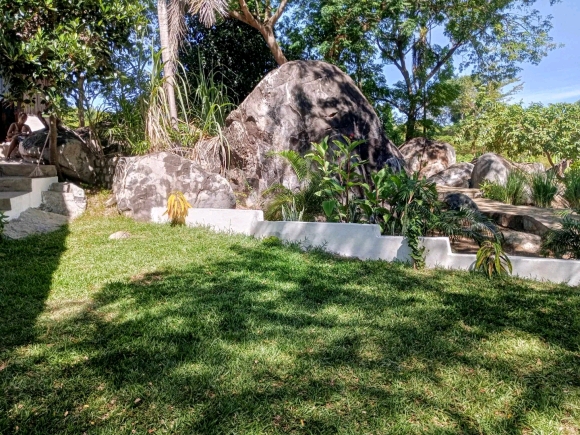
177 208
492 259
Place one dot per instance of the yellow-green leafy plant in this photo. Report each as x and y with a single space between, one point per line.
492 259
177 208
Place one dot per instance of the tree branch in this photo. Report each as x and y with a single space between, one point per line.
278 13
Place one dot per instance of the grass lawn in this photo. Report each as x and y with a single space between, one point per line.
183 331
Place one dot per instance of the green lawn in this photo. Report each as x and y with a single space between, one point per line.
182 331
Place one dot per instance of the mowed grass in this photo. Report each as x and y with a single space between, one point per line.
183 331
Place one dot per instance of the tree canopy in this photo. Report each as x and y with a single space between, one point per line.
426 41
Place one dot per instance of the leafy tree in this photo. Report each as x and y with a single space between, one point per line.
552 131
49 46
490 37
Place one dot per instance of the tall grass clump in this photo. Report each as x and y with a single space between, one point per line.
544 187
210 108
513 192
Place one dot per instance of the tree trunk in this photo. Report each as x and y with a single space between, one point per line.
81 99
268 34
52 134
410 125
168 56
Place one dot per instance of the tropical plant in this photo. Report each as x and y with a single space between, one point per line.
303 202
492 259
544 187
572 188
564 241
339 166
177 208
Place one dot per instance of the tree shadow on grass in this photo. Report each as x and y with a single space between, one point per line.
26 270
272 341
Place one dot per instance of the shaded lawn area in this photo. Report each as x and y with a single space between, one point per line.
183 331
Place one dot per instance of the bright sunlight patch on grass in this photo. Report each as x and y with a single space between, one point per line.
183 331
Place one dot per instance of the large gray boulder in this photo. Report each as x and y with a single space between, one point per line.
76 153
426 156
490 167
142 183
457 175
296 104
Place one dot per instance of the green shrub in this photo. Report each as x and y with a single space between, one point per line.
572 189
544 187
564 241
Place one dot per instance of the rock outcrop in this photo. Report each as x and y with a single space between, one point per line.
426 156
457 175
296 104
491 167
142 183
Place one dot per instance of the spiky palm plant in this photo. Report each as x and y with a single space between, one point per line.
281 200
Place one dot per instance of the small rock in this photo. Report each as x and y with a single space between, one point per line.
120 235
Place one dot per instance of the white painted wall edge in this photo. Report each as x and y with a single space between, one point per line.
365 242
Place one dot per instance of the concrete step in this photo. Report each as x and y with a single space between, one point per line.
6 199
13 169
15 184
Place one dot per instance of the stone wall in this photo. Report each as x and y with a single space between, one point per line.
105 170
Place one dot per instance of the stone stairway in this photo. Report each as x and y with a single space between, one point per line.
19 189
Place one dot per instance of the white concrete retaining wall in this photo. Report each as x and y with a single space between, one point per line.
220 220
365 242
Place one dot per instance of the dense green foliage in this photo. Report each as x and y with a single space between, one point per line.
544 187
400 203
46 46
572 188
235 52
520 132
179 330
